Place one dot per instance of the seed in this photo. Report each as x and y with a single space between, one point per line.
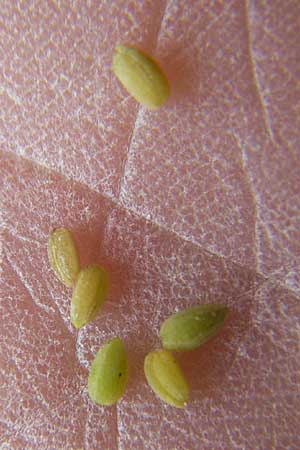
63 255
109 373
166 378
89 294
141 76
192 327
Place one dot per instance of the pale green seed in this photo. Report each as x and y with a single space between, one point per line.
166 378
89 294
192 327
141 76
109 373
63 255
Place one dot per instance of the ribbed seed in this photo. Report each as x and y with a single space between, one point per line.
166 378
192 327
63 255
109 373
89 294
141 76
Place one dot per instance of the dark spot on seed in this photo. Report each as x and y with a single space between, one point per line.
120 374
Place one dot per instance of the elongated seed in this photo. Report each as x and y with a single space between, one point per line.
63 255
89 294
192 327
141 76
109 373
166 378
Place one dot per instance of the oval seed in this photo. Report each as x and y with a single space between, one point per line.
192 327
89 294
63 255
141 76
109 373
166 378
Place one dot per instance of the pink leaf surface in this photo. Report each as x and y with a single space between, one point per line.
197 202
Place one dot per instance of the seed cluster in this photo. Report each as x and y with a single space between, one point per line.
182 331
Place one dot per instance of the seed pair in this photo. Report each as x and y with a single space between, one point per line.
182 331
90 284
